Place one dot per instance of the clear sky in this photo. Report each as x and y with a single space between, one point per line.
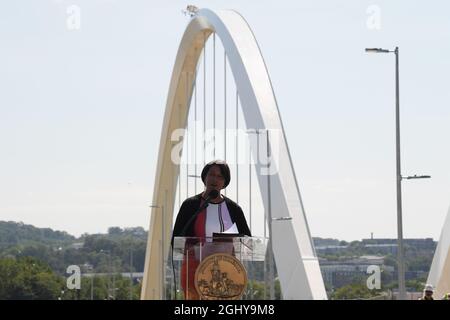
81 108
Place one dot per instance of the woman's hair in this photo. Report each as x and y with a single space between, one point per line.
224 169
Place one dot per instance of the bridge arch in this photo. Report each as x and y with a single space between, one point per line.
294 253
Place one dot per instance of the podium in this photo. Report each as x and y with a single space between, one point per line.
223 267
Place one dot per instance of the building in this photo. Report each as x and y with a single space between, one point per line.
337 274
427 243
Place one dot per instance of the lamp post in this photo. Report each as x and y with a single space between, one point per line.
270 278
401 264
109 271
92 285
131 273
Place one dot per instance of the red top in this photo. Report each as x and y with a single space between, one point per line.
200 221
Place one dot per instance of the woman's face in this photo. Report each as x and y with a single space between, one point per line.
214 179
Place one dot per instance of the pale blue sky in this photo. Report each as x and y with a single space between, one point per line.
81 110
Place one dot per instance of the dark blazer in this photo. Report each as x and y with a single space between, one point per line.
190 207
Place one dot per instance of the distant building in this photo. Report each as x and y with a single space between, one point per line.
87 267
330 249
77 245
386 248
343 272
427 243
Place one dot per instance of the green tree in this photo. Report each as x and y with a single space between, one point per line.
114 230
354 291
28 279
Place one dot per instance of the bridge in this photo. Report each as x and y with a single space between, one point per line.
233 80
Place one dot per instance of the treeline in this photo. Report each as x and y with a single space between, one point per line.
416 258
120 250
14 233
28 278
34 261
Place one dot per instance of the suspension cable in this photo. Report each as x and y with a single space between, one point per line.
225 107
179 166
195 130
214 94
187 135
237 146
204 97
250 187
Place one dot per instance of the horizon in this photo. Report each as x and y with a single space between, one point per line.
146 230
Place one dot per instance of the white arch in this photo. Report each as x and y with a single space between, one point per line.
297 263
439 275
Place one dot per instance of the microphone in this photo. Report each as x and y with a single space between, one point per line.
211 195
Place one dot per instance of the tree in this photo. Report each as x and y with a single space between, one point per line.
114 230
28 279
354 291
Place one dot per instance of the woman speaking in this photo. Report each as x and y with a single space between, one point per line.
205 214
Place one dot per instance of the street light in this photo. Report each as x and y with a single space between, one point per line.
378 50
131 272
415 177
109 263
401 265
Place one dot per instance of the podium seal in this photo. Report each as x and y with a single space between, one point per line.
220 277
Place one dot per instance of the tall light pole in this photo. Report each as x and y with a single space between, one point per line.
92 285
270 278
109 271
401 263
131 273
